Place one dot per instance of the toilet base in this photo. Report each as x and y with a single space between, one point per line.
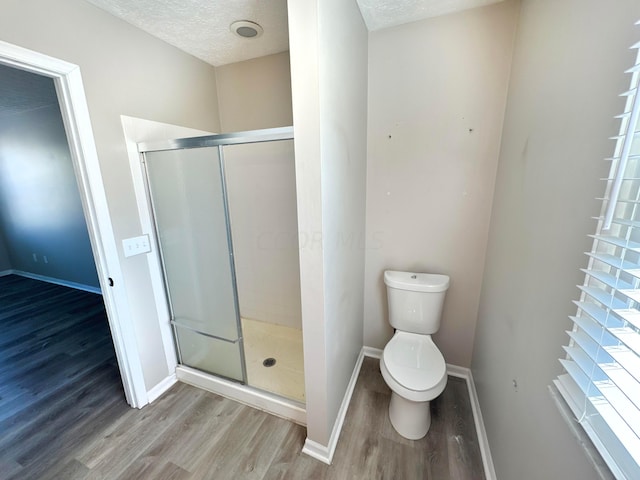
410 419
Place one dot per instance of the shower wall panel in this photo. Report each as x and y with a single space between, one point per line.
261 187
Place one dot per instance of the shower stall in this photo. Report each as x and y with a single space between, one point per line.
224 211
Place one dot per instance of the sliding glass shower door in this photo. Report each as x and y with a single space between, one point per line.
187 192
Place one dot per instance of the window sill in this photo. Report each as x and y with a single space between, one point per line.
581 436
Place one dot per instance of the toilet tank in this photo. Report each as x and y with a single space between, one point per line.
415 300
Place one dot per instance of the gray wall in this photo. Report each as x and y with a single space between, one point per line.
566 77
429 178
125 72
255 93
5 262
40 208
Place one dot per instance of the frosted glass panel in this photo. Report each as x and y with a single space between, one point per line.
208 354
188 204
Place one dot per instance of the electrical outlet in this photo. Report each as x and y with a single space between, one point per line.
136 245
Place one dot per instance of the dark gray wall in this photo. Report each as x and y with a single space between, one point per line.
5 262
566 76
40 207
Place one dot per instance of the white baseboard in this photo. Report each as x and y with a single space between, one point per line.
460 372
56 281
273 404
372 352
464 373
483 440
157 391
325 453
317 451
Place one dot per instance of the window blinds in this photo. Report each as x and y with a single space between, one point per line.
602 365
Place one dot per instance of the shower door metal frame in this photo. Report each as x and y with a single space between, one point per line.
223 139
209 141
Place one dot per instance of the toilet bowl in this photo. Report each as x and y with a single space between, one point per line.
411 364
415 371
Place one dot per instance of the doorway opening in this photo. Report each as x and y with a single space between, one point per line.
74 111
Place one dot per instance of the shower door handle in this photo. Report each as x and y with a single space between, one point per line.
200 332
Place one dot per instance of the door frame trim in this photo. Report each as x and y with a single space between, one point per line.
141 130
84 155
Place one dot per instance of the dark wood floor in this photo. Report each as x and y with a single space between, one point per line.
63 414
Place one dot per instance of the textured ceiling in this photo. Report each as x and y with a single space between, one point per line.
380 14
201 27
22 91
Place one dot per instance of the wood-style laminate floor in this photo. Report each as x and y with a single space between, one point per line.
64 415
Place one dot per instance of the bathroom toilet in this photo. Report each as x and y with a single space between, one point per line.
411 364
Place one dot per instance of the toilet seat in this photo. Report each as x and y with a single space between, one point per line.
413 367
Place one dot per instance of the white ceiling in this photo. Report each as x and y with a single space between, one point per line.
379 14
201 27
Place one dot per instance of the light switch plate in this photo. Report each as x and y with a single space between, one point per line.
136 245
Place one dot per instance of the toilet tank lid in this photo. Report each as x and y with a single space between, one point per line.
416 282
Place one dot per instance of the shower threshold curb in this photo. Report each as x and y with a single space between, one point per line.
273 404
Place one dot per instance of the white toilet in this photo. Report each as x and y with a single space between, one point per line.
411 364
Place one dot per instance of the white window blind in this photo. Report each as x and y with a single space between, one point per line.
602 379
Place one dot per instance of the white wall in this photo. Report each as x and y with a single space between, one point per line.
125 72
437 92
256 94
305 91
567 73
40 207
328 43
343 131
